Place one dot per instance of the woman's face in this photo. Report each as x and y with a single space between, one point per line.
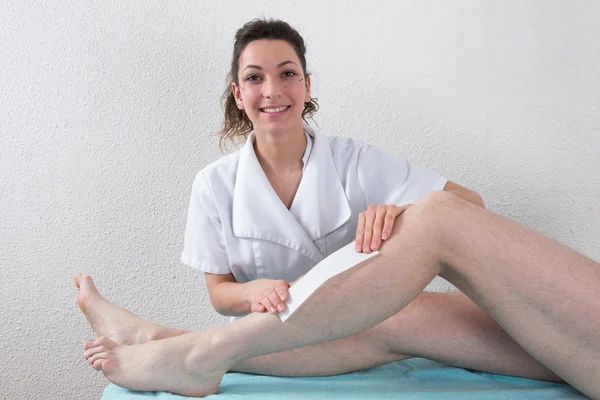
272 87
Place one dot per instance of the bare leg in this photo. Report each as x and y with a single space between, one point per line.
447 327
540 292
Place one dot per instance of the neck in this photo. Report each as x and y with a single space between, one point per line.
280 154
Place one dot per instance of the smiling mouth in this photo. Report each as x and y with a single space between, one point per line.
274 110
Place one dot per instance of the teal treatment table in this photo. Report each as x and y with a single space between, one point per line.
415 378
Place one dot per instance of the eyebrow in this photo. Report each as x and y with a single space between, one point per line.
281 64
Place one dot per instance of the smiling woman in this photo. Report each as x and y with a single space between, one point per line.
285 62
270 91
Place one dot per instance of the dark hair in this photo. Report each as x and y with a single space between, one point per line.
236 124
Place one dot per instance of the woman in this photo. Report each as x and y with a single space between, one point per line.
266 215
250 250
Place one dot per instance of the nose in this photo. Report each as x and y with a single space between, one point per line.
272 88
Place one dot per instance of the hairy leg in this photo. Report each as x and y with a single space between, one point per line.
544 295
364 350
447 327
452 329
540 292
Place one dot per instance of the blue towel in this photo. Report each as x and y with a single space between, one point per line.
415 378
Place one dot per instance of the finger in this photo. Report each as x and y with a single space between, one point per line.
390 219
360 228
388 225
369 218
282 290
378 226
276 301
266 302
257 307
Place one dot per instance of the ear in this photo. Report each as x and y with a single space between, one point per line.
235 89
307 97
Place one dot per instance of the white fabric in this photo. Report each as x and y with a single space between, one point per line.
336 263
237 224
307 151
305 158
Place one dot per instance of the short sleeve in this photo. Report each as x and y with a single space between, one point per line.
204 246
388 179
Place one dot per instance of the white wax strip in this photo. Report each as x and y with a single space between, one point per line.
338 262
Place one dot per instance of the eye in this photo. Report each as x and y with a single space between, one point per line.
289 74
252 78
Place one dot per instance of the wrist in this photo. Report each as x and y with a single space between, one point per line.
249 293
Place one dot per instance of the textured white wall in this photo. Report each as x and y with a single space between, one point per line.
108 109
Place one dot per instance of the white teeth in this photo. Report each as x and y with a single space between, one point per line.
274 110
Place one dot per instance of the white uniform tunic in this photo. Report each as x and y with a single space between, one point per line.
237 224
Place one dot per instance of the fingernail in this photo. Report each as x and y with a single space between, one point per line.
384 236
280 307
273 309
282 298
374 245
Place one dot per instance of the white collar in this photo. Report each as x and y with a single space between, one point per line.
307 151
320 204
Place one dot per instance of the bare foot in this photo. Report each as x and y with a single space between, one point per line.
112 321
186 365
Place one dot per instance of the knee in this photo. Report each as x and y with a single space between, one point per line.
425 217
431 213
433 209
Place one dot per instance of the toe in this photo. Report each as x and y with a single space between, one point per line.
86 284
88 344
109 368
98 364
99 356
94 350
104 341
78 279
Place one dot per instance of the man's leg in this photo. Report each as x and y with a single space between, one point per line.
542 293
447 327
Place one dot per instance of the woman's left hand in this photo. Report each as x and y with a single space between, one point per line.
375 225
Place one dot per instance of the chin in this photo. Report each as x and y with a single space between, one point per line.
278 127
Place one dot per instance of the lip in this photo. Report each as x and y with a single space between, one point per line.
277 113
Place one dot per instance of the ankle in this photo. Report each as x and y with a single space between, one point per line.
148 334
209 347
222 343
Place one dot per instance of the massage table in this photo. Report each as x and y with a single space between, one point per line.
410 379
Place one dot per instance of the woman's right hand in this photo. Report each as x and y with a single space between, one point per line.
268 295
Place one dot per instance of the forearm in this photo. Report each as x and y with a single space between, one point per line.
468 195
231 298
